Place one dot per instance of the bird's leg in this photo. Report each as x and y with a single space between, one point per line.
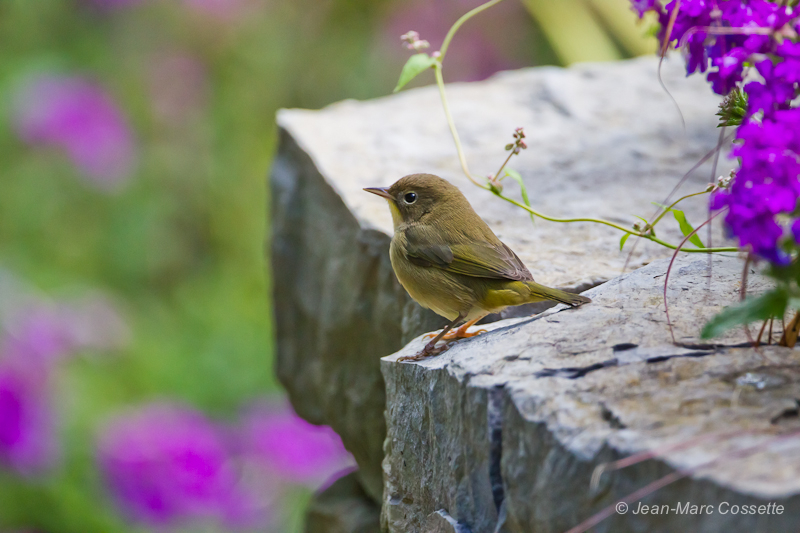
430 348
461 332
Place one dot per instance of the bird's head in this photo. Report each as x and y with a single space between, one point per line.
421 198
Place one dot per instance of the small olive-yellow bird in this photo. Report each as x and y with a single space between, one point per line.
449 261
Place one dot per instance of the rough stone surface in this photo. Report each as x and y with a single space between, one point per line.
337 304
442 522
343 507
504 431
605 140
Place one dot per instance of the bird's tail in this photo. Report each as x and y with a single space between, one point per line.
540 292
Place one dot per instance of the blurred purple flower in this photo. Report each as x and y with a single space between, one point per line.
38 334
642 6
497 43
42 332
178 87
292 448
35 336
796 231
766 188
27 429
168 465
79 117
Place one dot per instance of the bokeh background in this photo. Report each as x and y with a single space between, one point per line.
136 382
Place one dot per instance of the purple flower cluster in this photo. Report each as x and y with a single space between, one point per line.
77 116
169 466
35 337
46 332
27 428
291 448
730 35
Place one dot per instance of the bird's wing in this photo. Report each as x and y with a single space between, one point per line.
475 259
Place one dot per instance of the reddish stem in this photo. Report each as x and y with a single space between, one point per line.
671 261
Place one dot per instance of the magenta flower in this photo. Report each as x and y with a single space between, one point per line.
77 116
642 6
765 190
773 94
789 68
729 71
35 336
290 447
45 332
39 334
168 466
27 429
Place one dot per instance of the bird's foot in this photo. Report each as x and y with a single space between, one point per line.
457 334
428 351
462 333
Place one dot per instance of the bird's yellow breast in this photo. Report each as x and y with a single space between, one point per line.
432 288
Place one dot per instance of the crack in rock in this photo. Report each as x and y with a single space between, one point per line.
495 426
576 372
787 414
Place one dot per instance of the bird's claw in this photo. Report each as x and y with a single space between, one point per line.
427 351
458 334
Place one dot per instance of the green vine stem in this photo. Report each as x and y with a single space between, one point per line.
437 67
465 17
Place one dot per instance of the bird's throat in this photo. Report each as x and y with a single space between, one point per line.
397 217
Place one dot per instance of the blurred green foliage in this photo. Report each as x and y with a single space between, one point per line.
181 246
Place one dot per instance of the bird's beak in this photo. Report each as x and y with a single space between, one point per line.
380 191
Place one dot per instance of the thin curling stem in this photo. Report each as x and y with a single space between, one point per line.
461 158
497 175
465 17
673 204
617 226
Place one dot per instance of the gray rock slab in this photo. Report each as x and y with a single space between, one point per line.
337 304
504 431
605 140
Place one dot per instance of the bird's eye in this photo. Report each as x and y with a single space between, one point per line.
410 197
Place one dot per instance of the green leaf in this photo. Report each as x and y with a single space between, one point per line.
686 228
772 303
518 178
622 240
415 65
